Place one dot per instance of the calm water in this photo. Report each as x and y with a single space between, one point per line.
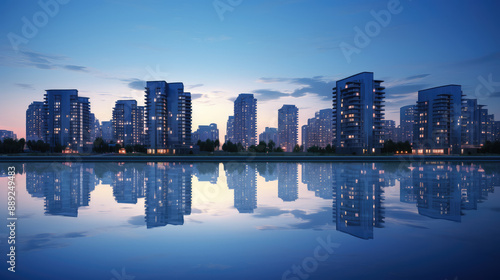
255 221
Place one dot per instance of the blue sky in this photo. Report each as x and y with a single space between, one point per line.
283 51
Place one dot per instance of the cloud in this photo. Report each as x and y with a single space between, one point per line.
136 84
417 77
316 86
49 240
25 86
43 66
40 58
194 86
76 68
404 91
267 94
196 96
137 221
317 221
48 61
489 58
272 80
268 212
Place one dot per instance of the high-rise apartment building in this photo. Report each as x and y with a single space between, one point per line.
6 134
128 123
34 121
319 130
437 128
230 130
406 121
390 131
67 120
94 128
358 114
107 131
288 122
471 123
270 133
206 132
168 118
245 120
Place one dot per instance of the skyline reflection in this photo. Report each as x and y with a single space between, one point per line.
437 190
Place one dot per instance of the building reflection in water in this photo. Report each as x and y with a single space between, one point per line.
268 170
242 178
444 190
358 204
207 172
168 193
129 183
65 186
438 190
319 178
288 181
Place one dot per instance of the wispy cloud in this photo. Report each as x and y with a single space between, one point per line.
318 85
135 84
194 86
48 61
404 91
76 68
489 58
267 94
25 86
196 96
49 240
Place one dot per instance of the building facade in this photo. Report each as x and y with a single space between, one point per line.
245 120
168 118
288 122
269 134
358 114
230 130
406 121
471 123
437 128
35 121
390 131
67 120
6 134
206 132
319 130
128 123
107 131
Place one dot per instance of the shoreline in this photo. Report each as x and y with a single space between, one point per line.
245 158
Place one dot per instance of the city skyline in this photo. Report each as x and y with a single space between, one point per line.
207 50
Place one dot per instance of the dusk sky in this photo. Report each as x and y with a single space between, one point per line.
282 51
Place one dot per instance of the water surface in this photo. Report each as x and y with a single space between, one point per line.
255 221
